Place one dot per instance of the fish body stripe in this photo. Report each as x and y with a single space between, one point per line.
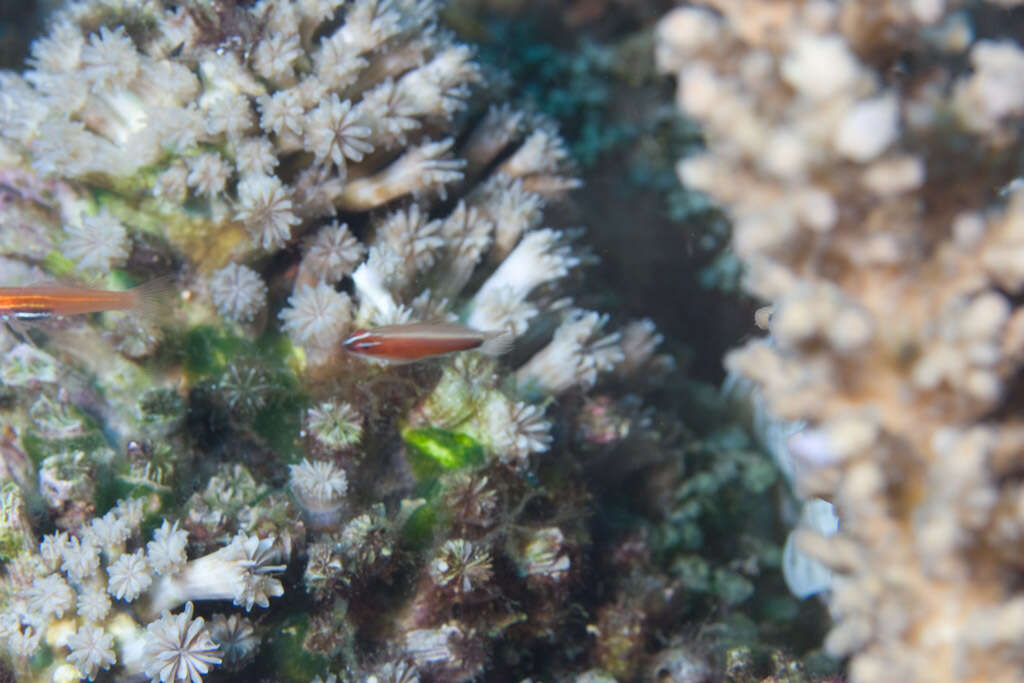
25 315
31 303
407 347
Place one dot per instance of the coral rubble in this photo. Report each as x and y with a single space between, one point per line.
866 153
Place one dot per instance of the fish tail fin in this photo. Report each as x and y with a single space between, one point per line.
497 342
152 299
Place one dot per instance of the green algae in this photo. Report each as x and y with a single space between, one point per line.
292 661
432 451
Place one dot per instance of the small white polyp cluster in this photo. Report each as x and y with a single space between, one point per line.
576 355
326 108
238 292
107 590
319 487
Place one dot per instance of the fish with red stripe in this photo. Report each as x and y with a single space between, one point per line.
40 302
411 342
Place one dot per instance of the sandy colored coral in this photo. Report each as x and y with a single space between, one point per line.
860 149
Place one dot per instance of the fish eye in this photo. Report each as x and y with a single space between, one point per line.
359 340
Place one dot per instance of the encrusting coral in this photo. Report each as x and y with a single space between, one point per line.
866 153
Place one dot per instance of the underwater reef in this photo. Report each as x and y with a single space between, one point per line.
210 486
869 157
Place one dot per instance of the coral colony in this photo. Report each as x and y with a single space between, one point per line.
220 487
867 153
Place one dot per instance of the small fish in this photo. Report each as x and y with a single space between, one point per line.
417 341
18 304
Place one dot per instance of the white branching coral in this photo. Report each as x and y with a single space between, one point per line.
413 238
320 489
467 235
236 638
504 309
517 429
331 255
208 173
989 98
93 603
274 56
60 52
108 533
575 356
331 108
433 645
179 648
253 555
335 424
639 340
96 242
79 560
265 208
172 183
282 112
229 114
447 649
166 552
425 167
49 596
51 549
128 576
110 59
396 671
24 642
213 137
255 156
318 482
131 512
316 316
238 292
513 210
241 572
334 133
540 257
91 650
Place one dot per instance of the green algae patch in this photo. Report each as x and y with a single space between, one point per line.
432 451
122 279
280 425
418 530
59 265
40 662
293 662
206 350
35 447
